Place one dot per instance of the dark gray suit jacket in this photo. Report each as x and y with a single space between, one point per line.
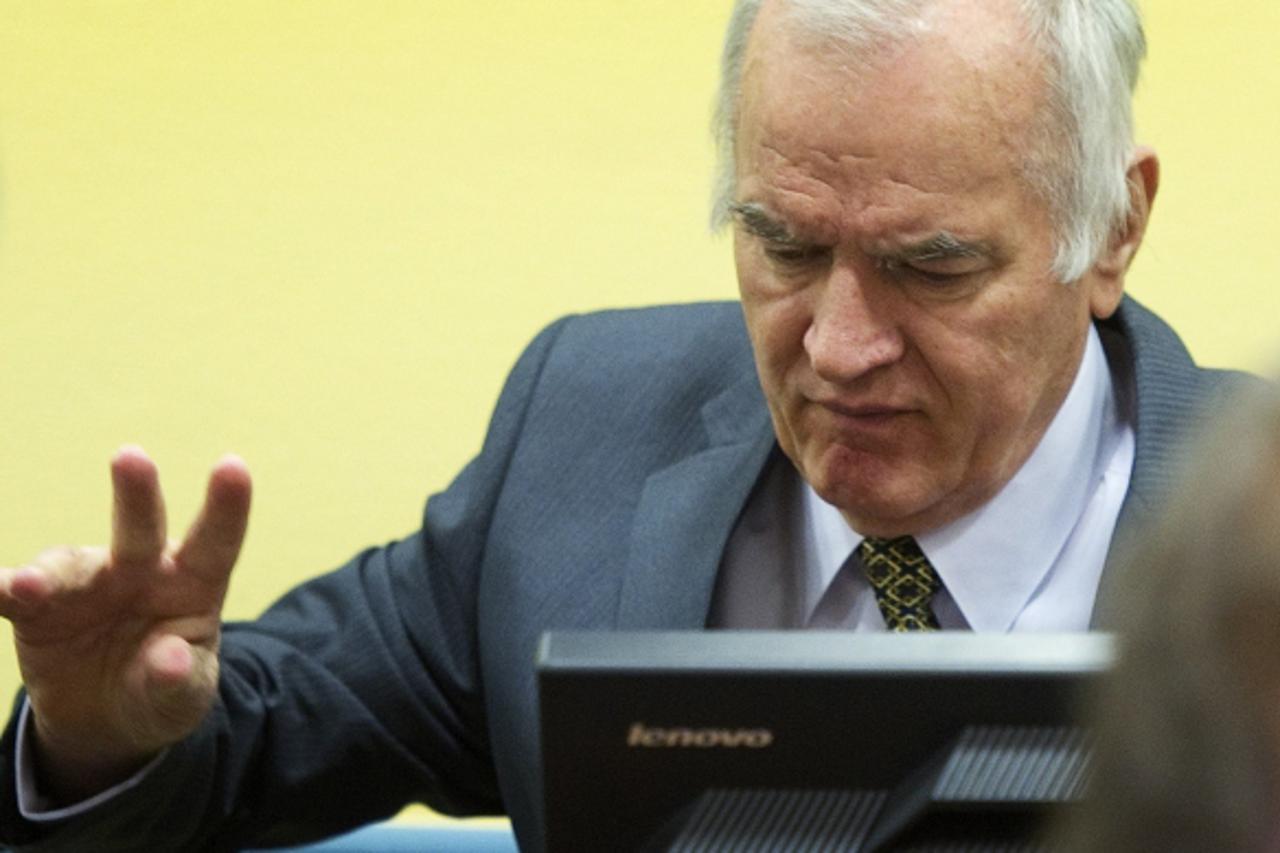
620 454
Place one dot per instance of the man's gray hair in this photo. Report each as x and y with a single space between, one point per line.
1080 150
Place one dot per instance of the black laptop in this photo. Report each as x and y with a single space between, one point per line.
799 740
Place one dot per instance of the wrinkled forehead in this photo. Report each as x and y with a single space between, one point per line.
937 71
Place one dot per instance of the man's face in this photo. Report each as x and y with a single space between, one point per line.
895 269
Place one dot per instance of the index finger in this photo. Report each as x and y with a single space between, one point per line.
213 542
138 519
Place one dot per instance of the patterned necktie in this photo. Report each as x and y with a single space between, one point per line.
903 580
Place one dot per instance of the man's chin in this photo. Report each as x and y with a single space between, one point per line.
877 503
881 517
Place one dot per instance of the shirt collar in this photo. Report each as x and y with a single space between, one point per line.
993 559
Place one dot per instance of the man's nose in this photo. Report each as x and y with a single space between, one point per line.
854 328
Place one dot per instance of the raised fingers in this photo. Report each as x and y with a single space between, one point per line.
138 518
213 542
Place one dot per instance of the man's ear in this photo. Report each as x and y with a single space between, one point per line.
1107 285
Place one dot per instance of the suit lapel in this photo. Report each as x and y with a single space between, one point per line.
687 510
1165 392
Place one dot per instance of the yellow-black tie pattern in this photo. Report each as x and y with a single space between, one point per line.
903 580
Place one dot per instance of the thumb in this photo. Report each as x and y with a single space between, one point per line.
180 681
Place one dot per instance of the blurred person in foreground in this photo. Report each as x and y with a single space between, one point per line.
1188 723
933 408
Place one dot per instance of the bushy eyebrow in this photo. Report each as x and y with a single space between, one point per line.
944 245
941 247
757 220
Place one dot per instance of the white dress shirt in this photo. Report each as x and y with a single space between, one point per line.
1030 559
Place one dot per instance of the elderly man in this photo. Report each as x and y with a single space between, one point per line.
940 412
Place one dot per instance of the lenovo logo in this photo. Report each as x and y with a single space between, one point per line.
647 737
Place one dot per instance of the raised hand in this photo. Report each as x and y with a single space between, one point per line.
119 647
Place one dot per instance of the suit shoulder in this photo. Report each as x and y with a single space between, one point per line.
698 338
630 367
655 331
1164 368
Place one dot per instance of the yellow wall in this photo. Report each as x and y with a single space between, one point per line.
317 233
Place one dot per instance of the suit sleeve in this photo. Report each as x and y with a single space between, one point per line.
355 694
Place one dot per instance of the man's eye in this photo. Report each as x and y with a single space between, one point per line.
906 270
795 256
935 276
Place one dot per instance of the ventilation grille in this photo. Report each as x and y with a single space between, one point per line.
1016 765
787 821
